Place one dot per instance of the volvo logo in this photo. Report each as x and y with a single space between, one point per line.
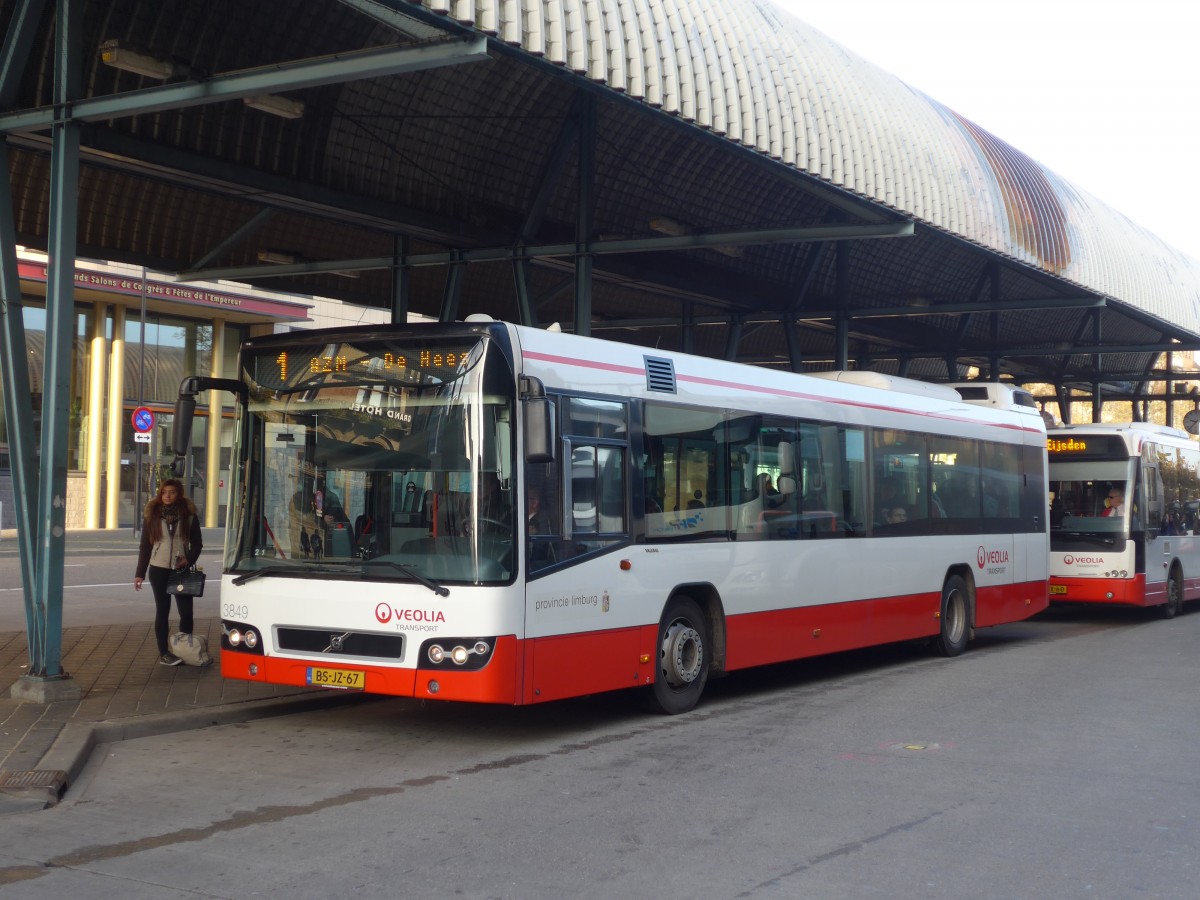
336 642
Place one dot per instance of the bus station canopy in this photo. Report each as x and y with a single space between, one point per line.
710 176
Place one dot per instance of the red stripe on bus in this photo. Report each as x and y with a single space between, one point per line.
495 683
560 666
1125 591
762 389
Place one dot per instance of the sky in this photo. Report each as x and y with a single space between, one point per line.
1106 94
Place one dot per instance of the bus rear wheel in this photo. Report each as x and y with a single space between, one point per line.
954 617
683 657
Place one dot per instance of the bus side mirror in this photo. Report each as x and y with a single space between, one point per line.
181 435
185 411
539 429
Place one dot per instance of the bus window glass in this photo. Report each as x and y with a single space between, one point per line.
596 431
377 450
685 496
765 469
1001 489
847 447
585 417
956 479
902 479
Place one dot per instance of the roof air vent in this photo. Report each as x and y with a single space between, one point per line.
660 375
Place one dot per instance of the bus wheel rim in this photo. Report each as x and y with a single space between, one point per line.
682 654
956 615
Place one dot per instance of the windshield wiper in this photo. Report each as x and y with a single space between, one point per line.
411 573
1100 539
282 570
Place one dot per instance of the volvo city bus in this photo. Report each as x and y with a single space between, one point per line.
1123 516
485 512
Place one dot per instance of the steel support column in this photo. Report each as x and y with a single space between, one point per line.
45 663
400 280
792 337
583 222
14 373
733 337
1097 338
525 311
841 350
14 360
453 291
1168 388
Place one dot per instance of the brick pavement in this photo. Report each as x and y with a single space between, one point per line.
124 694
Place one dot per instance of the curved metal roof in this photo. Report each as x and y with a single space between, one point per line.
719 165
758 76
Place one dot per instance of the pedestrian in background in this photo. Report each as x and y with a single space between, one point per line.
170 541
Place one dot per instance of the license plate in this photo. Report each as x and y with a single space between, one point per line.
346 679
1058 588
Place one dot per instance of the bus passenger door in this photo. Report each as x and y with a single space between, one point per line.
1032 537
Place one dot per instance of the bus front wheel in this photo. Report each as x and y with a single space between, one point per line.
683 657
954 617
1174 603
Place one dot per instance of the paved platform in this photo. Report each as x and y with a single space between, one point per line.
124 693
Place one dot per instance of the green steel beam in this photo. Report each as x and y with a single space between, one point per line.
337 68
46 659
540 251
14 373
14 360
584 218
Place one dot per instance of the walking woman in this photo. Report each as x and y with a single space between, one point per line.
170 540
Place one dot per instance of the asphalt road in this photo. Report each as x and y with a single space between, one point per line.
1056 759
98 584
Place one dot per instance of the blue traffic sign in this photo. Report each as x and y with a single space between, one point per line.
143 419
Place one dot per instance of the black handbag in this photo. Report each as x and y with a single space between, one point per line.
186 582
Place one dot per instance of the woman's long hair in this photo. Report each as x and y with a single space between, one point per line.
152 519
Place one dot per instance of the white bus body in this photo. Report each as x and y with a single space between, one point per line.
1144 553
657 556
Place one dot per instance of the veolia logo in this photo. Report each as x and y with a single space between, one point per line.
1068 560
383 612
991 557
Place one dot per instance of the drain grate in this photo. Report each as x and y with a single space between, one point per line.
55 779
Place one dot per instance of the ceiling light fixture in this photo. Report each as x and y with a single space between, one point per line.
113 54
275 105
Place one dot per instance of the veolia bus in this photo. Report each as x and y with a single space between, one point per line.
1123 515
486 512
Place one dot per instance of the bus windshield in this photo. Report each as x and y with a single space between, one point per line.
377 459
1088 501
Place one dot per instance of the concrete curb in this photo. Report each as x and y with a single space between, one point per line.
75 744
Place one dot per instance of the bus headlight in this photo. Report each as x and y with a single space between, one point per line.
240 637
457 653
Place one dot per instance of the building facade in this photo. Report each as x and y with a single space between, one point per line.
137 335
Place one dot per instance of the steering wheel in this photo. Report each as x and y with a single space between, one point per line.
494 527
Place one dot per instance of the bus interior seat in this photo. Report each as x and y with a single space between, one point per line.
338 540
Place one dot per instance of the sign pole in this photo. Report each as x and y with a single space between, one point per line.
137 471
143 433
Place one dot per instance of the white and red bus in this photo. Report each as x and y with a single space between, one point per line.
1123 515
514 515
